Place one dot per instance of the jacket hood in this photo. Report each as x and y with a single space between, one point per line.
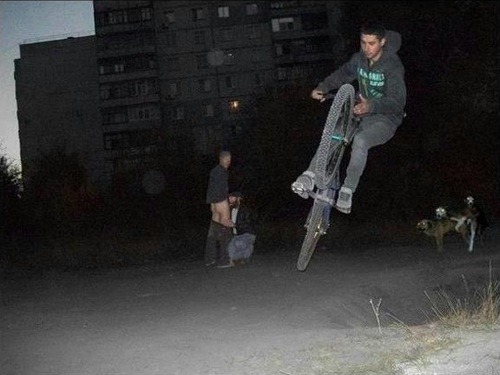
392 42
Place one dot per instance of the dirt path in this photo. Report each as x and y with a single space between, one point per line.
261 318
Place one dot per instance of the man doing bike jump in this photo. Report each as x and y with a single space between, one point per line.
382 99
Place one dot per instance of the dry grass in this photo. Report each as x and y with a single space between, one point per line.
479 308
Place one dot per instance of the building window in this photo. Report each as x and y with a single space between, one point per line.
199 37
142 87
283 49
229 58
197 14
104 92
169 16
205 85
116 141
118 68
284 4
114 115
314 21
234 106
229 82
173 64
201 61
258 55
282 74
178 113
128 139
254 32
173 90
283 24
252 9
208 110
143 112
171 39
257 79
146 14
227 34
223 12
126 64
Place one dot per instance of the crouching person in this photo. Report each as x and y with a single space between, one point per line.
241 246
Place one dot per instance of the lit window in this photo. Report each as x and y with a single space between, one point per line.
234 106
282 24
223 12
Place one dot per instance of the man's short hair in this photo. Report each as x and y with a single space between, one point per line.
224 154
373 28
236 194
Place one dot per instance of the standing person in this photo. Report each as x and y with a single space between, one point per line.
382 99
240 247
219 232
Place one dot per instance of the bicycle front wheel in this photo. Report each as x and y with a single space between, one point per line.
335 137
315 229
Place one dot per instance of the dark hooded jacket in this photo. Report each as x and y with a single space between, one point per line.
382 84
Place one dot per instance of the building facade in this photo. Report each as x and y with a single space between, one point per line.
188 68
58 102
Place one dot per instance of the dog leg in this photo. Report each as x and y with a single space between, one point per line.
439 242
472 235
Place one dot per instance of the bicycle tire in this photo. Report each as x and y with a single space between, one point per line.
336 135
314 232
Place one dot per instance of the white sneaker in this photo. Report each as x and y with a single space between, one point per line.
304 184
344 200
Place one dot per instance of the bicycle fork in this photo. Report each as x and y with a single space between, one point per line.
327 196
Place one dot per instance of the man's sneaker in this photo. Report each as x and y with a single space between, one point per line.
344 200
304 184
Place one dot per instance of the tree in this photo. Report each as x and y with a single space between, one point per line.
10 195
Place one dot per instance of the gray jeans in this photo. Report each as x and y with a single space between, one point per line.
218 238
372 131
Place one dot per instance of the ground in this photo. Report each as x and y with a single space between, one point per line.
361 307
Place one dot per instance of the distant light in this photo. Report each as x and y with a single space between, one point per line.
234 105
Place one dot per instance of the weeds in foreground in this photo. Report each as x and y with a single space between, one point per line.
387 355
479 308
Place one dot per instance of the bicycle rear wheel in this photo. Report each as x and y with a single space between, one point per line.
315 229
336 135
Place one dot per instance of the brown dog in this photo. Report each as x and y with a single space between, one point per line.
438 228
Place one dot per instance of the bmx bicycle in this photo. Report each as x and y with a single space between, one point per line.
338 132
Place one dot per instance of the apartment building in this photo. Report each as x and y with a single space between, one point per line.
190 68
58 102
